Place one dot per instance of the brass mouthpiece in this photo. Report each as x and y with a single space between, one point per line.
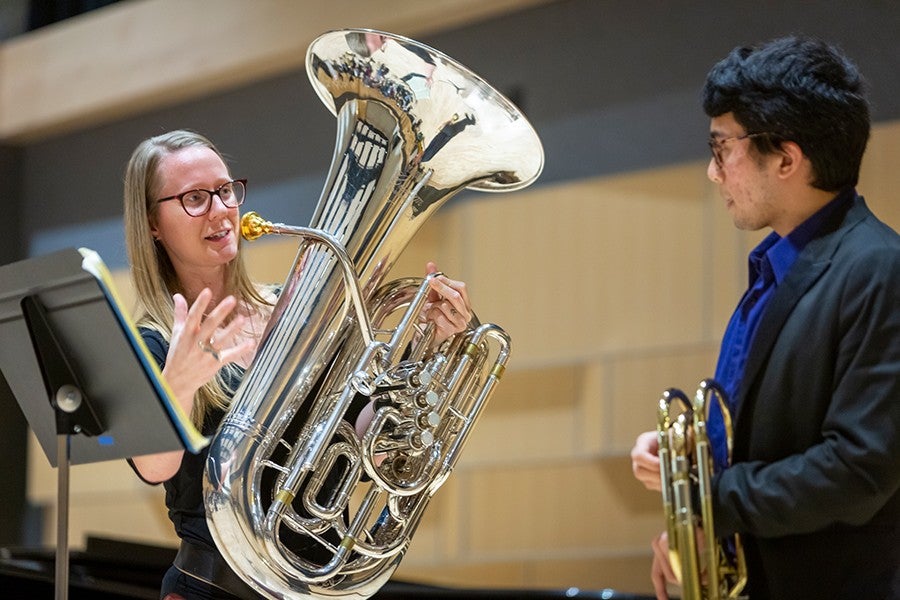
254 226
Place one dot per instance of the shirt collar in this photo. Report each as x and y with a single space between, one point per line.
775 255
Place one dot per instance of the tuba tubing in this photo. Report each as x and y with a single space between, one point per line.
254 226
299 504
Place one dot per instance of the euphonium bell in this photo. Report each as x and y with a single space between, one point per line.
706 568
299 503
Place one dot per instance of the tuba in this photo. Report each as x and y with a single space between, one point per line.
300 503
686 469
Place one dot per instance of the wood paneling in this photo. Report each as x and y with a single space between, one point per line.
133 57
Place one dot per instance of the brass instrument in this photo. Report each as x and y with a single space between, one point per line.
685 458
299 503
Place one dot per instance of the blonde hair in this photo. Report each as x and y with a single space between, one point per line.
152 273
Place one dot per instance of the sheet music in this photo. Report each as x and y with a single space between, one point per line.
93 264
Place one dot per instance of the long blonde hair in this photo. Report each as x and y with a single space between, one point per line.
152 273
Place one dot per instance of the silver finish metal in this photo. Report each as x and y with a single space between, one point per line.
285 493
68 398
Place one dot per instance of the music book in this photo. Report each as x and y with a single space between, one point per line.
120 380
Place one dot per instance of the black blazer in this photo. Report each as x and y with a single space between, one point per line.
813 488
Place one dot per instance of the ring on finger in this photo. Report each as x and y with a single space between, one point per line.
208 347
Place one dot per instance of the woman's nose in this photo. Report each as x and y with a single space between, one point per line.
217 205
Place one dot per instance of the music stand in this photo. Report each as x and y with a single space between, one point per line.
89 388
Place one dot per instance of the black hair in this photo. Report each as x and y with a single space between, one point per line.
797 89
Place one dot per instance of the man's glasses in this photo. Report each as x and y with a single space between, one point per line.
717 145
197 203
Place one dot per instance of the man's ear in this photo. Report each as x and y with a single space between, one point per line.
792 159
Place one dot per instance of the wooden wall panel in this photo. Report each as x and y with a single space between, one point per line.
137 517
880 177
552 508
108 65
589 267
533 416
619 402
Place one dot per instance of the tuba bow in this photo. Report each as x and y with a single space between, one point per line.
298 502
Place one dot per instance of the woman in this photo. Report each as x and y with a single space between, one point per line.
202 318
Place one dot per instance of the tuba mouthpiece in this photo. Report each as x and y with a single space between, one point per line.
254 226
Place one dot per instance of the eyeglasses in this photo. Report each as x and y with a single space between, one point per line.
716 145
197 203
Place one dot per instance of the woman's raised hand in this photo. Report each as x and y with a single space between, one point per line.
448 305
202 342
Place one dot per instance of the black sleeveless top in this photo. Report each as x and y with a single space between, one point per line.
184 491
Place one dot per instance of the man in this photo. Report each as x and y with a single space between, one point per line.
811 356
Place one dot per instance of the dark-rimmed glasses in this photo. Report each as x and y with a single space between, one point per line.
716 145
197 203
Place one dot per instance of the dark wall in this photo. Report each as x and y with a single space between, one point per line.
13 428
13 460
12 246
46 12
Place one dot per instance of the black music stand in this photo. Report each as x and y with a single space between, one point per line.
81 373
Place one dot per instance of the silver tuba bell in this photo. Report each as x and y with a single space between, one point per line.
298 502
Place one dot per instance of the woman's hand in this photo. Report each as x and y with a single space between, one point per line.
645 461
447 305
201 345
198 349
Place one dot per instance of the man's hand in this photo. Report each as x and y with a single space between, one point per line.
661 572
645 462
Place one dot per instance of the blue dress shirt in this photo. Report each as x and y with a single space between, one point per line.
769 264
